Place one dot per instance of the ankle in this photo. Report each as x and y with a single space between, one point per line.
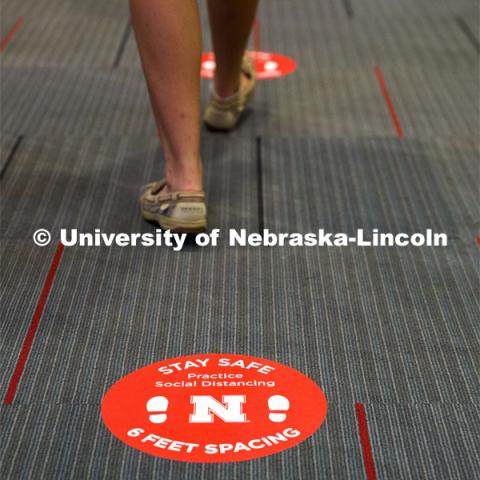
185 179
183 187
226 91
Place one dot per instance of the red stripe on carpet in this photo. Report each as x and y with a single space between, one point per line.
365 439
9 36
27 344
388 101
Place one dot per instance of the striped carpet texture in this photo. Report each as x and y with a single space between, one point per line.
378 128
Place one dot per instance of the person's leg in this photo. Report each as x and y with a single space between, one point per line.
230 23
169 41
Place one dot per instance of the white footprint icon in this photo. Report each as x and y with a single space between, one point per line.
278 405
157 406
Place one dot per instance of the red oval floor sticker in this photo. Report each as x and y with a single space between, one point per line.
214 408
268 65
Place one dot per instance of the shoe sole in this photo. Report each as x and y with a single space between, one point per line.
175 226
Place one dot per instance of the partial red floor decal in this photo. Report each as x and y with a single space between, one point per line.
365 439
9 36
27 344
388 101
268 65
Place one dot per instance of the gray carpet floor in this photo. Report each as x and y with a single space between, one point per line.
393 328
